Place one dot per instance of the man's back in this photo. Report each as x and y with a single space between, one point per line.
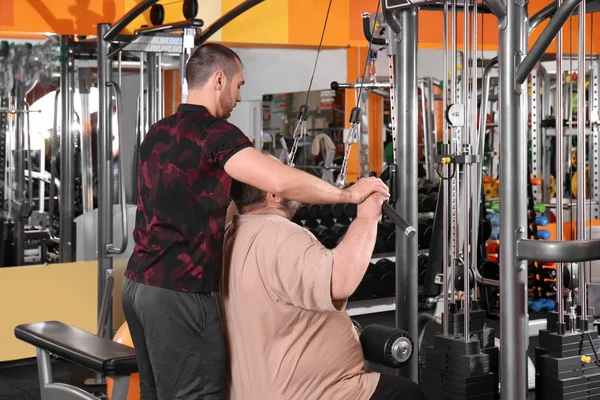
183 197
286 338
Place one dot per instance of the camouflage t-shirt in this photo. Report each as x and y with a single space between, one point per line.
183 198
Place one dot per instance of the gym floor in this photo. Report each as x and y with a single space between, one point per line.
19 380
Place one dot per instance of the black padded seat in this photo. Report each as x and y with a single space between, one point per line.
80 347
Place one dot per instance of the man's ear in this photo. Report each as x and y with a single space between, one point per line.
274 198
220 80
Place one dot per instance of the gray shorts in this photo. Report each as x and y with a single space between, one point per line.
178 341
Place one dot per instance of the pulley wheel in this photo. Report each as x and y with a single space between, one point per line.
190 9
157 14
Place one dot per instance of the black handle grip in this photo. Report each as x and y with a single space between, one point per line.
400 222
367 32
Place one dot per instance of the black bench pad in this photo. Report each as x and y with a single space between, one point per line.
80 347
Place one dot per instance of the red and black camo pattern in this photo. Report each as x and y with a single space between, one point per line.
183 198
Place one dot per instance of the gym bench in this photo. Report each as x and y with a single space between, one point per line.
75 345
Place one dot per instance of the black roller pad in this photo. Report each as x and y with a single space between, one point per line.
456 345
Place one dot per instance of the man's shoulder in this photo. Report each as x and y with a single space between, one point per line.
219 125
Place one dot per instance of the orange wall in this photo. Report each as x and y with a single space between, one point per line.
295 23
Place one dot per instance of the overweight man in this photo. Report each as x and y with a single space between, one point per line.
283 299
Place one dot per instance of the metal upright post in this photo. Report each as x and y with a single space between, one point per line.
406 205
19 159
152 88
513 207
559 155
581 165
105 175
595 145
188 47
67 167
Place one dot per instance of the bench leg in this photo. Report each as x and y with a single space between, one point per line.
120 388
44 370
57 391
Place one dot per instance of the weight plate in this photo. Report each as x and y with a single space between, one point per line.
157 14
190 9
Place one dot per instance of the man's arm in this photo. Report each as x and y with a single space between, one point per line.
256 169
352 256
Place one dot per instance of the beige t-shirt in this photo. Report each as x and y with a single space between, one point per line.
286 339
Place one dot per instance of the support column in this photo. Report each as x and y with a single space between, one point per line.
19 157
105 174
67 148
513 207
408 123
152 105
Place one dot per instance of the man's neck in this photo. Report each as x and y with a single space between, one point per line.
268 211
198 98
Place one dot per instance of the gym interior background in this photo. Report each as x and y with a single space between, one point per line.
463 127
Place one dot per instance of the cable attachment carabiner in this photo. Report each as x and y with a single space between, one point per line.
299 132
350 139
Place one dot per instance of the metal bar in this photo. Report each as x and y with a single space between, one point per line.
87 178
175 26
29 158
225 19
152 89
397 219
513 215
559 251
366 85
581 162
595 145
19 235
67 167
407 248
497 7
105 176
541 16
445 234
431 151
53 142
426 128
474 169
188 48
546 37
121 24
559 157
110 247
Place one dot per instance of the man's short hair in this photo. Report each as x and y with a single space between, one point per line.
208 59
244 196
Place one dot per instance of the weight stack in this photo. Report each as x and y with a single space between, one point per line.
453 369
560 371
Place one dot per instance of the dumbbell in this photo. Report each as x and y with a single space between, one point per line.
423 262
314 212
325 210
339 229
325 236
485 230
547 273
541 305
426 203
428 188
386 286
425 231
350 210
367 288
337 210
302 212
